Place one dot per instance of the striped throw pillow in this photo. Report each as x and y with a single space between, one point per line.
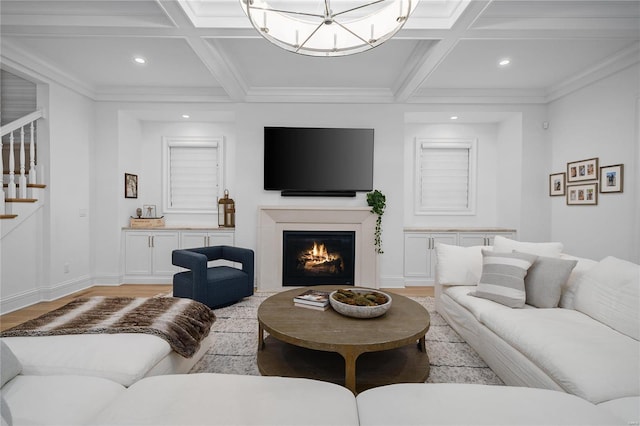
502 277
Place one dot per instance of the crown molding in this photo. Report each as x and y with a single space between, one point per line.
161 94
319 95
617 62
479 96
39 70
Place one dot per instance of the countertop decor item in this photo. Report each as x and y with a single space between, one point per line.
360 302
226 211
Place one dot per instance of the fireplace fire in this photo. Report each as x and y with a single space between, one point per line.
318 260
318 257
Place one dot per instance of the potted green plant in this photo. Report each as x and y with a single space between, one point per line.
377 201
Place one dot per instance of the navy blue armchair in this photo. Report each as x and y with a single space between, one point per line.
214 286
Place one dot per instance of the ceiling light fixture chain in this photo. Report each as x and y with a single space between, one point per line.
330 27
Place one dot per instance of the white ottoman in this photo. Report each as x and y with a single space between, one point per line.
462 404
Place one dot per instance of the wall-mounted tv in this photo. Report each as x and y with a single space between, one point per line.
301 161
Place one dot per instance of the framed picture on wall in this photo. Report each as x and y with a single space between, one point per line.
611 178
557 183
582 170
585 194
130 185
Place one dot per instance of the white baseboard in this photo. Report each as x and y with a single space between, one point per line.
391 282
44 294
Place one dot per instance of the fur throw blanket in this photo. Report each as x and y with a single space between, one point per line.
183 323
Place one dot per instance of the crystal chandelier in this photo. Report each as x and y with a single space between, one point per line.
325 27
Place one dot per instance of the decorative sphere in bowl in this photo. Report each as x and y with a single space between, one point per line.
360 302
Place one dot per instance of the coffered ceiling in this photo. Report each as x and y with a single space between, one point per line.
207 50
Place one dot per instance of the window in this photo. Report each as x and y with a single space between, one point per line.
445 176
193 172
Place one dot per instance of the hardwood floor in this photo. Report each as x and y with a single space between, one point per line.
134 290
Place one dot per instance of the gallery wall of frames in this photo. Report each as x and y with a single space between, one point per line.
584 180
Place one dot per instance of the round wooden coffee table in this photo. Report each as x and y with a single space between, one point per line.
325 345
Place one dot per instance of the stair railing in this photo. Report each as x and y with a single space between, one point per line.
10 129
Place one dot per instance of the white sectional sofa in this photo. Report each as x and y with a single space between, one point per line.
220 399
583 340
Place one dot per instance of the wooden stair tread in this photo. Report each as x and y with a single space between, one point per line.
8 216
29 185
20 200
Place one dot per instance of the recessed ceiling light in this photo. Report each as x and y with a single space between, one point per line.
454 117
504 62
185 115
139 60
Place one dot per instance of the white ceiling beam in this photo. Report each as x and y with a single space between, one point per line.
209 54
440 50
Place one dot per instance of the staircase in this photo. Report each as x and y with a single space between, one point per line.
22 187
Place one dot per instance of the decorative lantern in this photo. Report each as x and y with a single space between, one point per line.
226 211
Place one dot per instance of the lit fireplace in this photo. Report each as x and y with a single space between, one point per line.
318 260
318 257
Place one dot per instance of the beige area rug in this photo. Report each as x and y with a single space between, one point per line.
236 336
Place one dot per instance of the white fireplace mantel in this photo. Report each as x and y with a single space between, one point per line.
276 219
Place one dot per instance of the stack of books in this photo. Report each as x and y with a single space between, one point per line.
313 299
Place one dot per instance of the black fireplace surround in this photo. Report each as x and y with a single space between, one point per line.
318 258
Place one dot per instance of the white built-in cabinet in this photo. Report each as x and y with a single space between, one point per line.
191 239
420 244
147 252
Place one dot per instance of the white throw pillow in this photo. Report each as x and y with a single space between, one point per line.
610 293
506 245
569 288
457 265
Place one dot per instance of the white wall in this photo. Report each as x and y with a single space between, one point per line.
137 148
50 256
94 143
598 121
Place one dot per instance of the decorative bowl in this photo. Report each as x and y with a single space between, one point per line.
356 311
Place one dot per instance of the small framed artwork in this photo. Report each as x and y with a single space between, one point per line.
582 170
130 185
611 178
557 184
585 194
149 211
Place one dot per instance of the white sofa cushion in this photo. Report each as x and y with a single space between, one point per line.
11 367
221 399
569 288
610 293
544 281
627 409
123 358
583 356
457 265
502 277
465 404
58 400
506 245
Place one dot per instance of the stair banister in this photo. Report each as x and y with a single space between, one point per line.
20 122
32 155
12 167
23 177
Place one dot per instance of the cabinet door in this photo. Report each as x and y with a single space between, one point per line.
137 253
472 239
193 239
416 254
221 239
163 244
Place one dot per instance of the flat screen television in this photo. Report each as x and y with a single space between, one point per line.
301 161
